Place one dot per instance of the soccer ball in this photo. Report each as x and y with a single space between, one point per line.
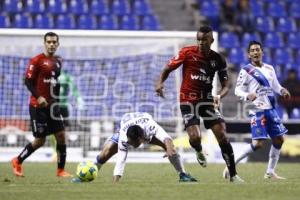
86 171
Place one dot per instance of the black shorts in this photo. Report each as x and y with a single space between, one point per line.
191 114
45 121
64 111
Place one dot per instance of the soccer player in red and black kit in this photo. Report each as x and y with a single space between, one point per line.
199 64
41 79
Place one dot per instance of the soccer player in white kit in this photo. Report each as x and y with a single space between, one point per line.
137 128
257 83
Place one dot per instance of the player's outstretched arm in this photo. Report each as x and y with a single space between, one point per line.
159 86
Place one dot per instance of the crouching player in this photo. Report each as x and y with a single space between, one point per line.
135 129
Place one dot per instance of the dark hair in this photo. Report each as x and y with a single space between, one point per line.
51 34
205 29
134 132
253 42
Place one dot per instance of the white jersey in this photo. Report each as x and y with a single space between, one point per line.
150 127
259 80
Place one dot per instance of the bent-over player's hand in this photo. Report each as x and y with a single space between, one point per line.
285 93
251 96
42 102
159 89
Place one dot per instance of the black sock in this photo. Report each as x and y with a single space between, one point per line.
197 147
61 150
228 156
27 151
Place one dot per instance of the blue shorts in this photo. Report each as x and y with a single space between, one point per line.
266 123
115 138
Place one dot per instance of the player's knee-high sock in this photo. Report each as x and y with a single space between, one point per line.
99 162
176 161
61 155
196 145
27 151
250 149
228 155
273 158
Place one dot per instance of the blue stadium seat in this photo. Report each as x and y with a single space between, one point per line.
13 6
267 58
257 8
229 40
120 7
4 21
294 9
286 25
298 58
129 22
141 7
295 113
57 6
35 6
210 10
247 37
78 7
150 22
264 24
283 56
237 56
273 40
65 22
86 22
293 40
22 21
99 7
107 22
43 21
276 10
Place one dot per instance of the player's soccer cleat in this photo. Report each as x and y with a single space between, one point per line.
63 173
236 179
76 180
226 174
201 158
184 177
17 167
273 176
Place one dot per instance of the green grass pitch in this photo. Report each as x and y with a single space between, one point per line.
150 181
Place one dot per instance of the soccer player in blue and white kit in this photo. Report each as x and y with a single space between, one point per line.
137 128
257 83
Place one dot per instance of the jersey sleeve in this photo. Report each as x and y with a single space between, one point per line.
241 88
121 155
222 72
275 84
157 131
177 60
32 69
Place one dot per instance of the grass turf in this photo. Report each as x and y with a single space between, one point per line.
150 181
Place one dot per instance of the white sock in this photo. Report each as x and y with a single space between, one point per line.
249 150
273 159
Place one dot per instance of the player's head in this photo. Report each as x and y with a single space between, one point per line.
255 52
205 38
51 42
135 135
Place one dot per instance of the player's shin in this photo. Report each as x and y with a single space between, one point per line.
176 161
61 155
27 151
228 156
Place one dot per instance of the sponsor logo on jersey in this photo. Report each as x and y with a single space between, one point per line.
50 80
201 77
